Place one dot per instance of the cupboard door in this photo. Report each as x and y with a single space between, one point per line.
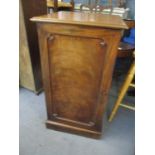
75 67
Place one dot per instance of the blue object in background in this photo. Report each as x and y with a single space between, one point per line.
131 38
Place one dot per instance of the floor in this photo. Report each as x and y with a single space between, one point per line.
35 139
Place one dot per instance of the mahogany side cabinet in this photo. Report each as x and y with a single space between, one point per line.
78 52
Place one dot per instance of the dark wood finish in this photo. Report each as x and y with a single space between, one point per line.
77 57
124 52
126 49
33 8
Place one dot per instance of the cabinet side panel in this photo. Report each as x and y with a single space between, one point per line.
42 35
109 63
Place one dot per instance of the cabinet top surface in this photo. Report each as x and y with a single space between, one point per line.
81 18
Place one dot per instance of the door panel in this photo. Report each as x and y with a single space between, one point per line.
76 66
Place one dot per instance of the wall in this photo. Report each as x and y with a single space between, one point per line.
131 5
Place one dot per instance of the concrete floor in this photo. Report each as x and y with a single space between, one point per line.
35 139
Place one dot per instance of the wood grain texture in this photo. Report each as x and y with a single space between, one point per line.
80 18
77 63
72 70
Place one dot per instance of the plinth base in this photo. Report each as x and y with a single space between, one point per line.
72 129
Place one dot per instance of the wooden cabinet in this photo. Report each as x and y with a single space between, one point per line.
78 52
30 67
